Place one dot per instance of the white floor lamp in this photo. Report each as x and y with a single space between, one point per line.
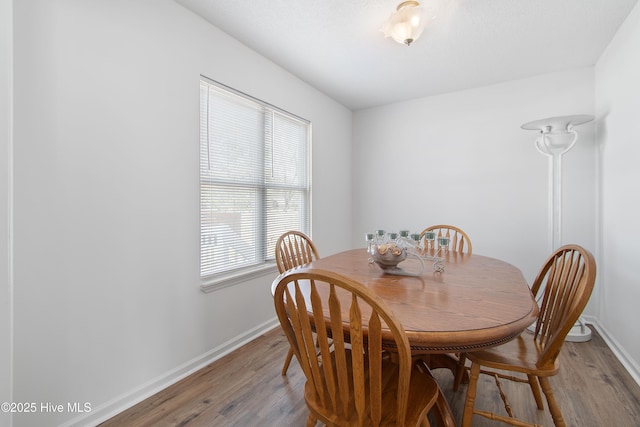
557 136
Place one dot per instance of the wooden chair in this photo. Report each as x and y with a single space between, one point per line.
361 385
293 249
458 239
565 283
458 242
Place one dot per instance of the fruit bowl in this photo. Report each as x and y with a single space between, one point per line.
388 256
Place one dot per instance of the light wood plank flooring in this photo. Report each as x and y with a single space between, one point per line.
245 388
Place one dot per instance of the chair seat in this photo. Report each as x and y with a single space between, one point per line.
520 355
423 393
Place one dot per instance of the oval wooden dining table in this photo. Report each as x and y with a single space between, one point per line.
476 302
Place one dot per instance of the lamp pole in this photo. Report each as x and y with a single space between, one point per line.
557 136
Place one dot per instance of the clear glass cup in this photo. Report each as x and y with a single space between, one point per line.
443 243
429 238
369 238
415 238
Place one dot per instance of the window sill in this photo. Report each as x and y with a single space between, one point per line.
222 282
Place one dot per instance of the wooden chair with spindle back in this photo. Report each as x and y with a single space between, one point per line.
293 249
357 384
458 242
458 239
565 283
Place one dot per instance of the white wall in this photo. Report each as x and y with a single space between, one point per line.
6 30
107 299
462 158
107 303
617 94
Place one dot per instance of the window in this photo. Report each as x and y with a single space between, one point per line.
254 181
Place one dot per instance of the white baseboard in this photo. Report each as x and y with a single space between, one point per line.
627 361
113 407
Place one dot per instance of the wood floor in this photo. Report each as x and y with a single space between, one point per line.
245 389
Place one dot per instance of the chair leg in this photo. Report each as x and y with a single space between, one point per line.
311 420
470 401
287 361
556 414
442 412
535 389
460 370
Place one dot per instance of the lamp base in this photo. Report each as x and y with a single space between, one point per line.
579 333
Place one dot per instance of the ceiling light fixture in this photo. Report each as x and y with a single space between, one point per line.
406 24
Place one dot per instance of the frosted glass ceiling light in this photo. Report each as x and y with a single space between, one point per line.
406 24
557 136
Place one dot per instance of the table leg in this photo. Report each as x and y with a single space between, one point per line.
446 361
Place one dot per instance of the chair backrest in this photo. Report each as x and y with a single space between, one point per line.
459 241
294 249
306 298
564 283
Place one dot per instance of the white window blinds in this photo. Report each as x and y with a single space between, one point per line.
254 179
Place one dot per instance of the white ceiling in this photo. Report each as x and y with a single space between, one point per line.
337 47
